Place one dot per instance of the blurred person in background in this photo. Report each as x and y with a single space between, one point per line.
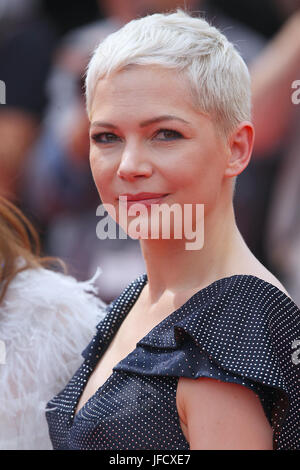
46 319
59 189
277 121
27 40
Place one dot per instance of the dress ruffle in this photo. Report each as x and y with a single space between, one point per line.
218 333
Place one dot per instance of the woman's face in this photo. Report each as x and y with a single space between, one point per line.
146 136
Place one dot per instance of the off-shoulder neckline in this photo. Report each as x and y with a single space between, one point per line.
132 293
144 276
126 297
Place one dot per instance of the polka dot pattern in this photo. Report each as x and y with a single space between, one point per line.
239 329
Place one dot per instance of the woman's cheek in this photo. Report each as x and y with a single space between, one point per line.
96 163
92 159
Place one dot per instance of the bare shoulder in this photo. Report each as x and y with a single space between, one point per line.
252 266
271 279
245 262
221 415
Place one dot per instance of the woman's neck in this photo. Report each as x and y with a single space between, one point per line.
171 267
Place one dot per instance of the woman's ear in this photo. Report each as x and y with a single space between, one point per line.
240 144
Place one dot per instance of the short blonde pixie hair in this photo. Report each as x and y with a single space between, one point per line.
219 78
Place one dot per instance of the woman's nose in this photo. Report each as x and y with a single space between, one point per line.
134 163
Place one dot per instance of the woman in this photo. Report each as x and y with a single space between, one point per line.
195 354
46 318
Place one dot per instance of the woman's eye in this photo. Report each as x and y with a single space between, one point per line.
167 134
104 137
109 137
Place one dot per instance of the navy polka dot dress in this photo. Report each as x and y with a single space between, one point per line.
239 329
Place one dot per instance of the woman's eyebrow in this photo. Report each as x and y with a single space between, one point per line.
166 117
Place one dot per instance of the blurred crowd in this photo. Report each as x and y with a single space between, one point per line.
44 144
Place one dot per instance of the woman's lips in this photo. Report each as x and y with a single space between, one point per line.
147 201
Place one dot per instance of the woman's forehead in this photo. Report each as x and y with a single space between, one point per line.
143 88
143 78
